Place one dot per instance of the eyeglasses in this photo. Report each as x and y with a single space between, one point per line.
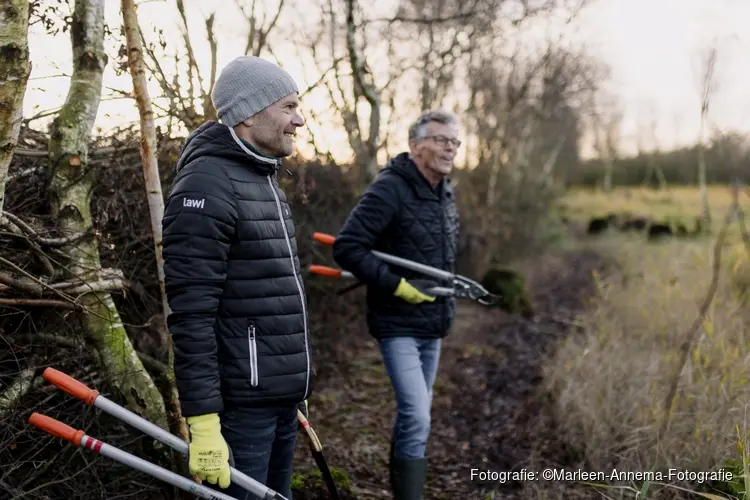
443 141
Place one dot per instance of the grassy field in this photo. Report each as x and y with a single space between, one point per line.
681 202
644 336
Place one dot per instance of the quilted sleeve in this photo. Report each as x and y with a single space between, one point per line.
377 207
198 227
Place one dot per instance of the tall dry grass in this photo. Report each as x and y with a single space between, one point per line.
611 380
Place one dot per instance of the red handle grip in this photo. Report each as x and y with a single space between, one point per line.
56 428
326 239
311 435
301 419
70 385
331 272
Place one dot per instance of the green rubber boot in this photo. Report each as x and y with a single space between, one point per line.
407 476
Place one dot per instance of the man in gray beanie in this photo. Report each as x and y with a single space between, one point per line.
238 316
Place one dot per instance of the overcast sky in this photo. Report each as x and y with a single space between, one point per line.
654 48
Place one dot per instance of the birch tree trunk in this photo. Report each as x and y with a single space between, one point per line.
71 186
153 190
14 75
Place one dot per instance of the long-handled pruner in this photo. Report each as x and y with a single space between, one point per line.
317 452
92 397
332 272
79 438
462 287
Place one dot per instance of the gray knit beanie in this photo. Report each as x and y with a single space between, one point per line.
248 85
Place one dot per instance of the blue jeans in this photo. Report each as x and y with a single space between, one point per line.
262 442
412 365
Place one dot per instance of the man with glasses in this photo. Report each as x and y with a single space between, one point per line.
408 211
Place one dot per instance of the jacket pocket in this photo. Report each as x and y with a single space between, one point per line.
253 349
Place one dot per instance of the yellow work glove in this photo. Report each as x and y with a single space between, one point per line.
208 452
411 294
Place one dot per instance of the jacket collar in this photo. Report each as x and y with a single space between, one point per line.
217 140
404 165
256 155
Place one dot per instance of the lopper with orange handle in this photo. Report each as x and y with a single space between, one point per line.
463 287
79 438
330 272
92 397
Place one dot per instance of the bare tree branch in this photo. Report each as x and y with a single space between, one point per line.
320 80
424 20
192 63
707 90
14 392
40 303
692 333
264 32
213 46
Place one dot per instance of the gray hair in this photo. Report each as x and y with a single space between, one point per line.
416 129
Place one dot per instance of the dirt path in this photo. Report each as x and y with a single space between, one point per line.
486 407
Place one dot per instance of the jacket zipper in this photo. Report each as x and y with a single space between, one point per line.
444 227
296 279
253 355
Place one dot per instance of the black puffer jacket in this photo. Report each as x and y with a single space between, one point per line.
401 214
239 314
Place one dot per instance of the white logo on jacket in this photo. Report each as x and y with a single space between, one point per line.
191 203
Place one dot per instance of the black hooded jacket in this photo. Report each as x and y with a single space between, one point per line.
238 310
401 214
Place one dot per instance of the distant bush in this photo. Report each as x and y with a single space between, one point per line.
515 224
726 159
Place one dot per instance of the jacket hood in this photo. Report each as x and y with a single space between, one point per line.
220 141
403 166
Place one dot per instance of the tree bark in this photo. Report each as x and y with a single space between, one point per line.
14 75
16 391
71 186
153 190
367 154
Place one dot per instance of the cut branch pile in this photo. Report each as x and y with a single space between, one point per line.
39 297
44 316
